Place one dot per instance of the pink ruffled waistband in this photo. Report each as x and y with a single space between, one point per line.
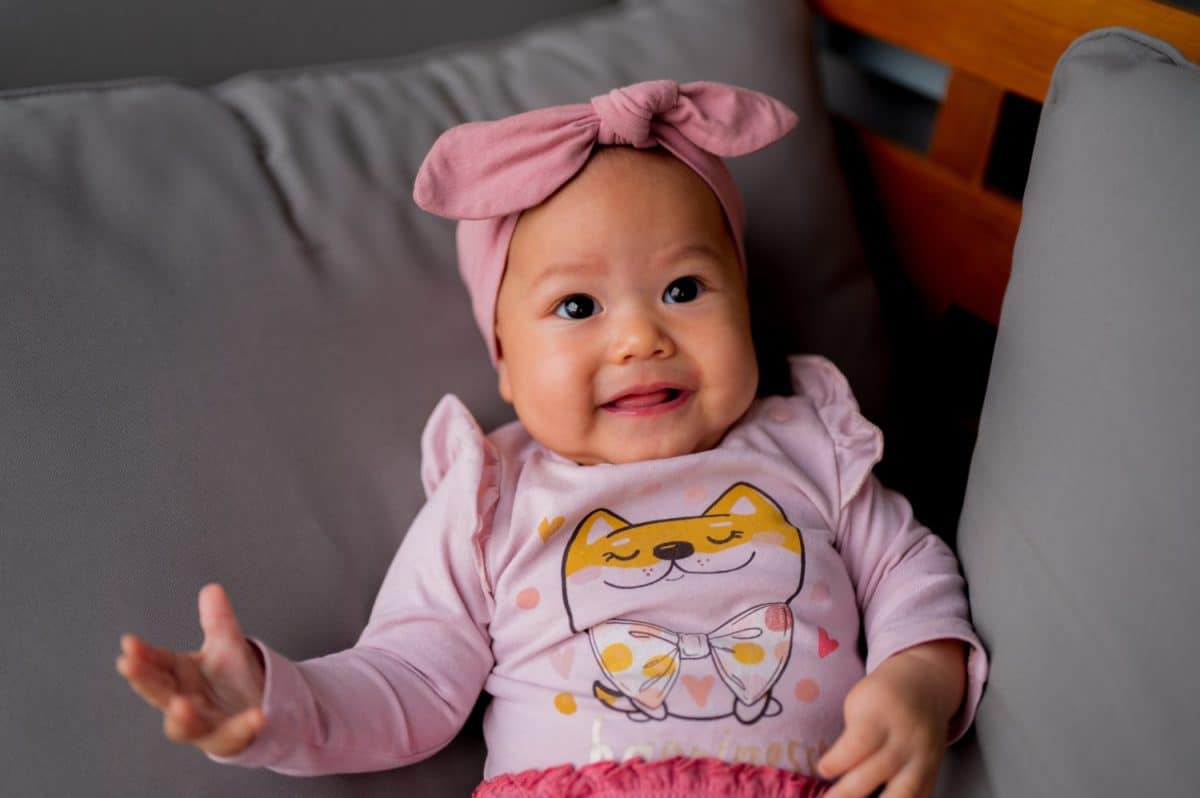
664 778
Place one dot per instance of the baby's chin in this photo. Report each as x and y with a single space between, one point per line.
618 451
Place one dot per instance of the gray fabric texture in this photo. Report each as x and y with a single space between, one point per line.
223 324
202 41
1078 536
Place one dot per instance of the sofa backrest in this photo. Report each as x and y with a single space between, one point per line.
223 324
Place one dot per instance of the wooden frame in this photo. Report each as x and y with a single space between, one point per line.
954 236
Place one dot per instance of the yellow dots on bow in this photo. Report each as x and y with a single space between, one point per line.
604 694
565 703
659 666
748 653
617 657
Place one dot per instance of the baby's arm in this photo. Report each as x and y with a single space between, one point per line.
919 693
406 687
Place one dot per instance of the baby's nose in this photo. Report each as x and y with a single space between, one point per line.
640 335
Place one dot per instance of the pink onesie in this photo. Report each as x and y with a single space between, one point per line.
706 605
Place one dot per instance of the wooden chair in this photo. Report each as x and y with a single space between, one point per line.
952 235
938 235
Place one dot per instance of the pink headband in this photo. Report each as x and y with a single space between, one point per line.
485 173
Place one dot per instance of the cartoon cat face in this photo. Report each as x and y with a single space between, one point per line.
741 544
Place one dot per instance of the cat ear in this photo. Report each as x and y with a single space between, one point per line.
600 523
744 499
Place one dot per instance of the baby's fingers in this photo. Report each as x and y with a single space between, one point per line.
187 719
236 734
913 781
856 743
190 721
145 673
860 780
134 646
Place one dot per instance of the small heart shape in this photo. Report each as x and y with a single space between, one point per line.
547 527
561 659
826 645
698 688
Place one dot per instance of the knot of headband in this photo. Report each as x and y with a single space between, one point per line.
482 170
485 173
625 114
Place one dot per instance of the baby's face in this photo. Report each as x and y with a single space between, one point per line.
622 319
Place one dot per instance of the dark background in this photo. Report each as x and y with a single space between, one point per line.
202 41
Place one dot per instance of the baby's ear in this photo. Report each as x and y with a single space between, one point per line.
502 377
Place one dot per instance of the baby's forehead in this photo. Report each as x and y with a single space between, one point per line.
631 165
615 179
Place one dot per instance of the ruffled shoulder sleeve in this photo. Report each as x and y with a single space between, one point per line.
456 457
451 434
857 443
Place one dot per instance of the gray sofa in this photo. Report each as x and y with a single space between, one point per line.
223 324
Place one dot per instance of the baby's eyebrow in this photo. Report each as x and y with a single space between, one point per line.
567 269
585 267
688 250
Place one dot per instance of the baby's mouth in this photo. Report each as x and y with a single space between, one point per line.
651 402
639 400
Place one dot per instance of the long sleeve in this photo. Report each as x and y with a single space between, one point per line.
908 585
405 688
906 579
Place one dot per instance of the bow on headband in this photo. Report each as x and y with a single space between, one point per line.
749 650
485 173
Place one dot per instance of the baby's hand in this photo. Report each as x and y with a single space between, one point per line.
210 698
896 724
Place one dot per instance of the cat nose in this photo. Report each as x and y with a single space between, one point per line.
674 550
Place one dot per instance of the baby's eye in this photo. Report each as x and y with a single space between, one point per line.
685 289
576 306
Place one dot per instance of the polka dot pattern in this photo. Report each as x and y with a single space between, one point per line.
659 666
748 653
565 703
528 598
807 691
778 618
651 696
617 657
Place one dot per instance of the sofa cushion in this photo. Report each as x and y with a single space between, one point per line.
343 145
223 324
1078 536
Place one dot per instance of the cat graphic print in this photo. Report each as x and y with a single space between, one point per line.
701 606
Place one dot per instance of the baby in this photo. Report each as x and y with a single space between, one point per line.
657 577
